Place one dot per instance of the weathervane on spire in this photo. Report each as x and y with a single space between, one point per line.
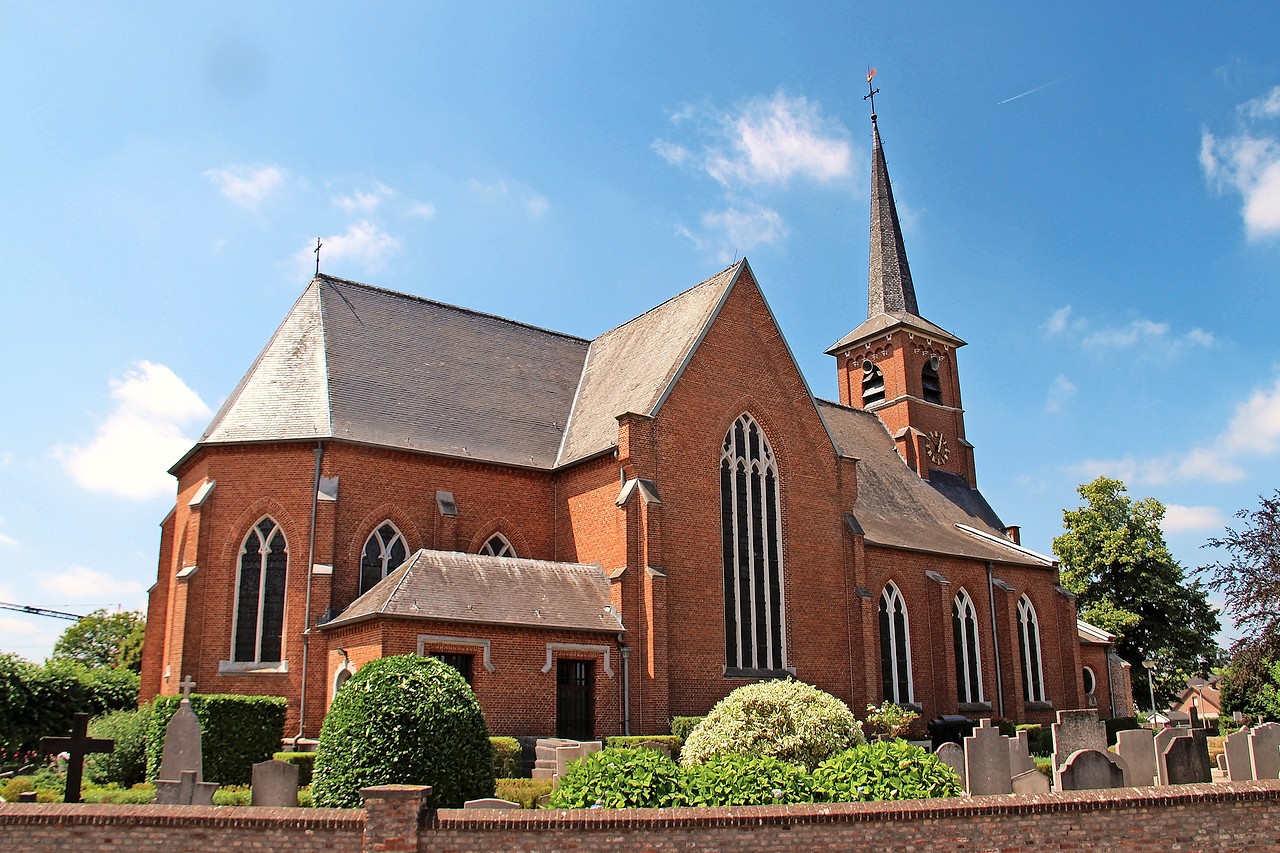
319 244
871 93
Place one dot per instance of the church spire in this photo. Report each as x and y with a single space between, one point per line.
889 287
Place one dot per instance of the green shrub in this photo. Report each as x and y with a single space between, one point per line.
306 762
137 795
15 786
526 792
668 744
126 764
404 720
890 718
787 720
747 780
682 726
1007 727
1039 739
507 756
1115 725
233 795
620 779
36 701
1045 765
236 732
885 770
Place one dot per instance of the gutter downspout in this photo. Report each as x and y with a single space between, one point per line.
995 637
306 632
626 691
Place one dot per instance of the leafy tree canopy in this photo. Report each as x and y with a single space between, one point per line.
1114 558
104 639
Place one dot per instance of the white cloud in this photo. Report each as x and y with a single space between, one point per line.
363 203
363 244
1061 391
79 584
730 233
532 204
422 210
1248 162
1253 432
1154 337
1192 519
769 141
1057 321
8 541
247 186
141 437
537 206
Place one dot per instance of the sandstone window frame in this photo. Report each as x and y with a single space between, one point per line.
498 545
385 560
1029 650
968 651
260 601
896 681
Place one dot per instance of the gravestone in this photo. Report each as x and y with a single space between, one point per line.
77 747
986 761
1162 740
181 778
1186 761
1020 760
1138 749
1031 782
1074 731
1264 747
275 783
566 755
1090 769
490 803
952 755
1239 760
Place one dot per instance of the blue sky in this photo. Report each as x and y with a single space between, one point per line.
1090 191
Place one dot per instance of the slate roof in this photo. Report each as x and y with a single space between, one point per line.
454 587
897 509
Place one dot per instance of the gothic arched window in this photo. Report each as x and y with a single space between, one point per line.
264 559
384 551
497 545
872 383
895 646
751 534
930 382
1029 649
964 630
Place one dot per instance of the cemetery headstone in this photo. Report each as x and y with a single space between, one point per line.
986 761
1162 740
490 803
952 755
1239 760
275 783
1138 749
1031 782
1090 769
76 747
1074 731
181 778
1020 760
1264 748
1186 761
566 755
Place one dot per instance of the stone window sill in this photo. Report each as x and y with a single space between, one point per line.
974 707
1039 706
252 667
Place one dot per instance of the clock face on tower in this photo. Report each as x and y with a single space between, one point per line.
936 448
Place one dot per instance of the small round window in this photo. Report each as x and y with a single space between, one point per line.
1090 683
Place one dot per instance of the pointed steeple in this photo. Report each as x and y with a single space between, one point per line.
889 287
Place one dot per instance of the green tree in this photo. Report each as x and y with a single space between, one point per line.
104 639
1248 578
1114 558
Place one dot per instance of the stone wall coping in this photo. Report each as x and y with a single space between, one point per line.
396 792
959 807
208 817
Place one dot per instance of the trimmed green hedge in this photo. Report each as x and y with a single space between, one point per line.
39 701
1115 725
1039 738
682 726
306 762
526 792
670 743
506 757
236 732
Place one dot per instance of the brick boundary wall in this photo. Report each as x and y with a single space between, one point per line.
1217 817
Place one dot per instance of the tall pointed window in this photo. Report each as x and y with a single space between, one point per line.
872 383
384 551
895 646
964 630
930 382
264 559
751 534
497 545
1029 649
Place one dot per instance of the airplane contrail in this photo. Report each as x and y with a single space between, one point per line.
1036 89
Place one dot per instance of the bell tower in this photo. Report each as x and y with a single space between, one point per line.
897 364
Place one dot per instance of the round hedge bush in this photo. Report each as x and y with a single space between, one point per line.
747 780
620 778
788 720
884 770
404 720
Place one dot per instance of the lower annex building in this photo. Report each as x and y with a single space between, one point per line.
601 534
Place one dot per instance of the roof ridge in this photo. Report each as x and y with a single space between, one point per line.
668 301
448 305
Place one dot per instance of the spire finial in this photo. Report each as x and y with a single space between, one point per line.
317 251
871 93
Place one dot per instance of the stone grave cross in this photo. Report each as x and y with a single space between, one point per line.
77 747
187 684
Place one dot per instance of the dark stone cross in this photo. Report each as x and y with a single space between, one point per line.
77 747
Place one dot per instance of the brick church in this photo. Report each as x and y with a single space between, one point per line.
601 534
